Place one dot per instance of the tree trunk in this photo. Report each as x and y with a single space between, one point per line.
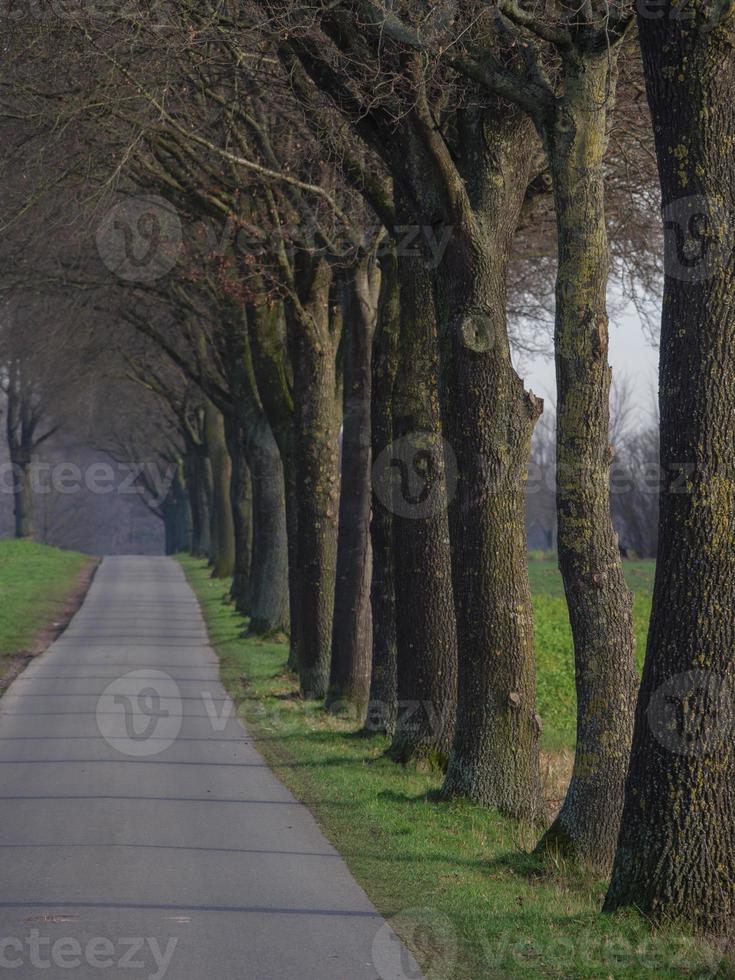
223 531
599 601
269 611
198 500
23 505
195 504
267 587
413 466
466 181
267 337
317 428
207 501
174 514
676 851
241 498
20 426
349 682
182 517
207 485
489 419
383 709
313 346
294 586
169 527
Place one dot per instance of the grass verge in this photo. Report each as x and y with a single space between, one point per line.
456 880
36 584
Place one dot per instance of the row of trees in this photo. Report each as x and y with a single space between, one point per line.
62 440
318 221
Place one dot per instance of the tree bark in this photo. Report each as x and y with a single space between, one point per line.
182 513
676 852
241 500
267 600
20 424
383 708
599 601
195 503
316 417
199 496
267 336
489 419
169 527
349 682
426 631
269 608
222 528
176 516
23 507
208 498
465 183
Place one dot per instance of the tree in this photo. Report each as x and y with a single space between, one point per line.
383 708
416 462
676 852
415 648
570 114
39 392
137 423
222 528
475 196
351 664
23 415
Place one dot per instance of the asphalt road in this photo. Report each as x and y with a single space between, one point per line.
141 834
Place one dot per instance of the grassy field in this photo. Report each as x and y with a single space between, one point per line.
457 882
35 582
556 698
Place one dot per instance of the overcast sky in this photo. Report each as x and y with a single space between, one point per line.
631 356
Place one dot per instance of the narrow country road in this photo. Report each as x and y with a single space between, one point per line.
141 834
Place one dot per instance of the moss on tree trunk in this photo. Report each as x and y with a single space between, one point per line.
676 852
349 682
222 527
488 422
269 604
313 340
599 601
415 465
383 682
241 499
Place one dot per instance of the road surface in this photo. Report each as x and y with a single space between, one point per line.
141 834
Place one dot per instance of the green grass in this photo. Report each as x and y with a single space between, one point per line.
35 581
456 880
555 657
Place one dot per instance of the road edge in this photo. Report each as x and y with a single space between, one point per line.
16 663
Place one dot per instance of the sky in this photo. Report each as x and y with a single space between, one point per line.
631 356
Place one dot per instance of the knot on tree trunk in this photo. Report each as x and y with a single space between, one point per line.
476 332
534 404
